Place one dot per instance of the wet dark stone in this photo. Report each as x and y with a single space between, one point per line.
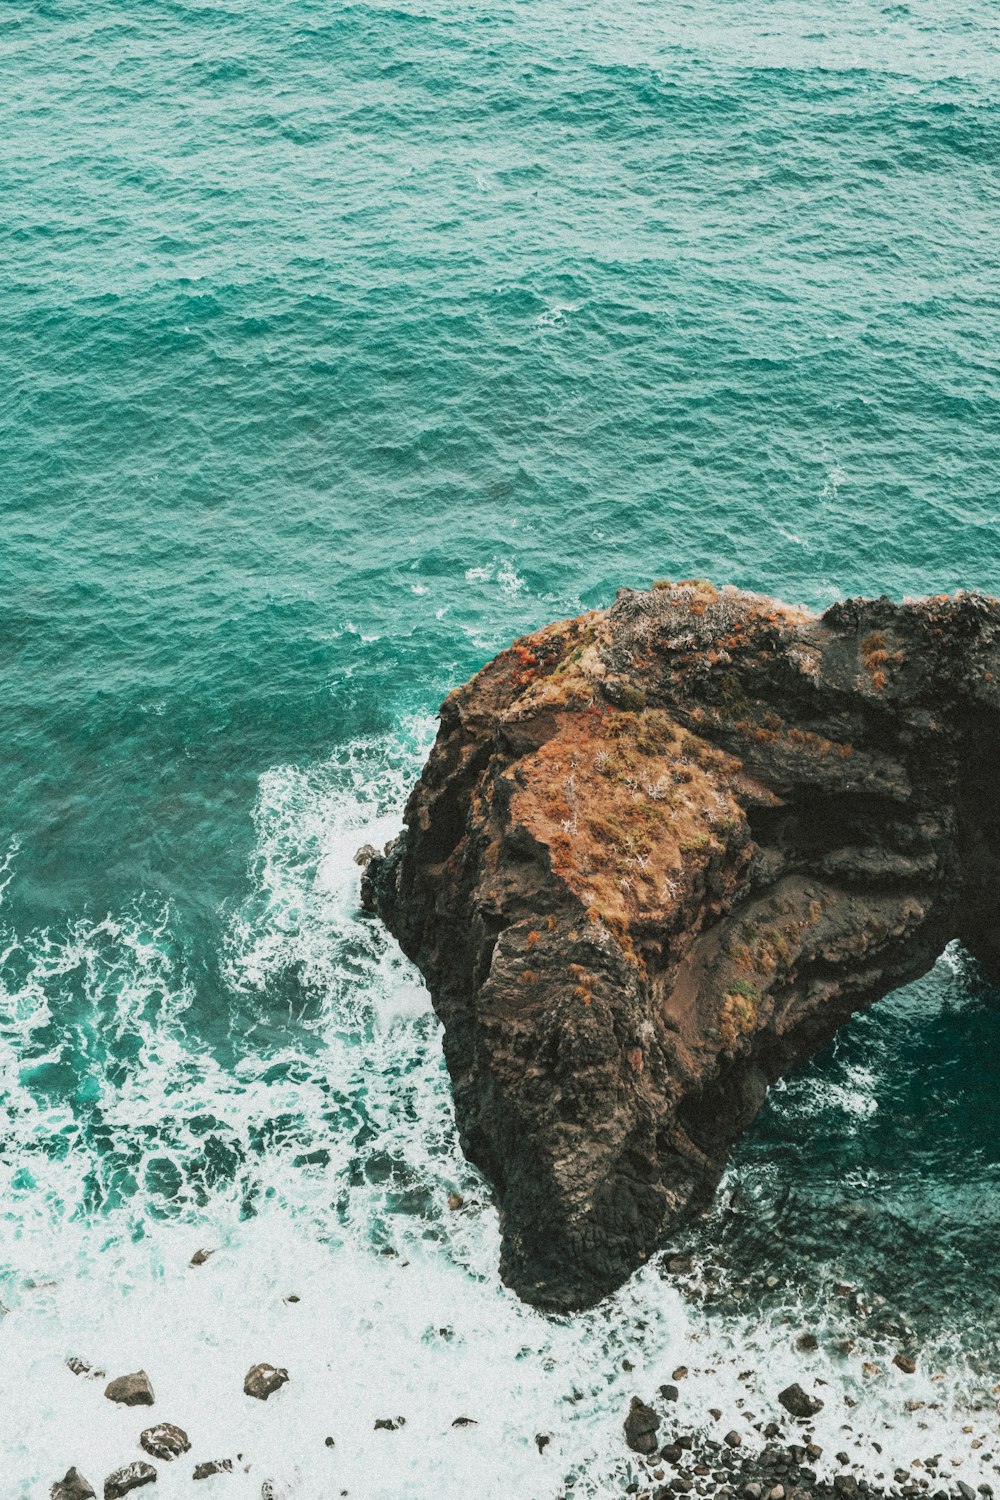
131 1477
164 1441
131 1390
795 1401
263 1380
72 1486
640 1427
213 1466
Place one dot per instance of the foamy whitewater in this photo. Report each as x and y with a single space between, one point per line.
321 1171
344 344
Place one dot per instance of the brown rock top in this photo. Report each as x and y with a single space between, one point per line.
657 856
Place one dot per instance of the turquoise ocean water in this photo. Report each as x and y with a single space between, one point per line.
341 344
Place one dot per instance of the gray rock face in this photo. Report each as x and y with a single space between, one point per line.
657 856
640 1427
798 1403
131 1390
72 1487
164 1441
263 1380
132 1477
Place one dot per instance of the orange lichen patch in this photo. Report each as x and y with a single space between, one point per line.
631 807
532 938
878 659
738 1017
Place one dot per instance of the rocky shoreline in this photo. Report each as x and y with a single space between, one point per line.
658 855
778 1460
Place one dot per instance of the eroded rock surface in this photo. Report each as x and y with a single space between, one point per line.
657 856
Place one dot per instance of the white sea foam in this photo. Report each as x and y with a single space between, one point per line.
308 1138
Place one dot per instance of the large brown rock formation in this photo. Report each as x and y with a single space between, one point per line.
657 856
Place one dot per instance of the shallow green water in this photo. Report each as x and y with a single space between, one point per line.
342 343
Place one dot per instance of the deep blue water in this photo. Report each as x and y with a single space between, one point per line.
341 344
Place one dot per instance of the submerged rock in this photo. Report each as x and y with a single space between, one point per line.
132 1477
72 1486
131 1390
81 1367
263 1380
164 1441
657 856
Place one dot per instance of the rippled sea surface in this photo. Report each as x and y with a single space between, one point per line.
341 344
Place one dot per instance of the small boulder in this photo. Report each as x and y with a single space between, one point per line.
200 1256
680 1372
365 855
164 1441
131 1390
734 1438
669 1392
640 1427
465 1422
389 1424
542 1441
81 1367
905 1363
455 1202
795 1401
965 1490
263 1380
213 1466
845 1484
132 1477
806 1343
72 1486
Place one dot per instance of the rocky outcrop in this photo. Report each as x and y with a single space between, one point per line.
657 856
